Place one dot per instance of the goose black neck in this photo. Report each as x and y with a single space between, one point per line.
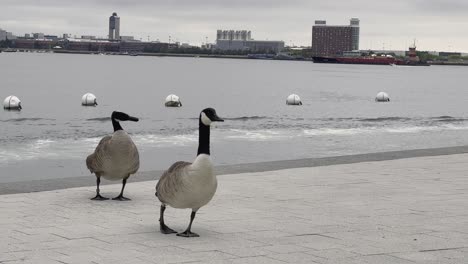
116 125
203 139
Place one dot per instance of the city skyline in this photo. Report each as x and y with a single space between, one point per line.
435 24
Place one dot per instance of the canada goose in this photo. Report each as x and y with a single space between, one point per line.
115 157
190 185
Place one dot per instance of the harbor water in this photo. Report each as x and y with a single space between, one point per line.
53 134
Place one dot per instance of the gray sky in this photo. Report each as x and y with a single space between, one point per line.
435 24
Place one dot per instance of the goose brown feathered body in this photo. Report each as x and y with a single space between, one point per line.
190 185
116 156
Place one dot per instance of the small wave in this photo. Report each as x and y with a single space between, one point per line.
337 131
449 119
335 119
159 140
25 119
99 119
245 118
383 119
257 135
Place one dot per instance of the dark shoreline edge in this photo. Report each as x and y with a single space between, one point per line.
83 181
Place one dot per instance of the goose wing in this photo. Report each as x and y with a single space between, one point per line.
94 161
135 159
171 181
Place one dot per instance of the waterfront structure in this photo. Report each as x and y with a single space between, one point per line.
4 35
114 27
88 37
234 35
242 40
127 38
354 23
38 35
332 40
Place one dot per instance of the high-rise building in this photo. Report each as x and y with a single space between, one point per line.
114 27
3 35
354 23
333 40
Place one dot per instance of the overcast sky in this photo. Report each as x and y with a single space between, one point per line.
435 24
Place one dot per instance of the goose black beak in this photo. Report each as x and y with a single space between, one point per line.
217 119
134 119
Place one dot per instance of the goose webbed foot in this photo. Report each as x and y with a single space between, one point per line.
98 197
188 233
121 198
166 230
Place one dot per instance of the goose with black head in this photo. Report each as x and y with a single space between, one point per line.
116 156
190 185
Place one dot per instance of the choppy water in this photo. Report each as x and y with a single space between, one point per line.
53 134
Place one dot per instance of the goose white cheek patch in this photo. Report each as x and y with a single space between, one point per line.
205 120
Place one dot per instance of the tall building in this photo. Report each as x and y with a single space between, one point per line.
354 23
242 40
114 27
334 40
3 35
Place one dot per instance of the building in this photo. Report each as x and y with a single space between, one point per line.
127 38
52 37
4 35
88 37
114 27
242 40
354 23
233 35
334 40
38 35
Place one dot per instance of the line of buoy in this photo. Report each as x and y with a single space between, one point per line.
14 103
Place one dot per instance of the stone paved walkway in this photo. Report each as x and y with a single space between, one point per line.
402 211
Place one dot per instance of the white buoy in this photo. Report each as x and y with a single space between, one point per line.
293 99
12 103
173 100
382 97
89 99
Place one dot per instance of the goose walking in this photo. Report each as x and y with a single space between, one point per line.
190 185
116 156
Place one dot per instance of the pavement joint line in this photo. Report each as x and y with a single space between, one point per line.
441 249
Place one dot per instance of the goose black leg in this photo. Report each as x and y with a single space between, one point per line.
188 233
163 227
121 197
98 196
